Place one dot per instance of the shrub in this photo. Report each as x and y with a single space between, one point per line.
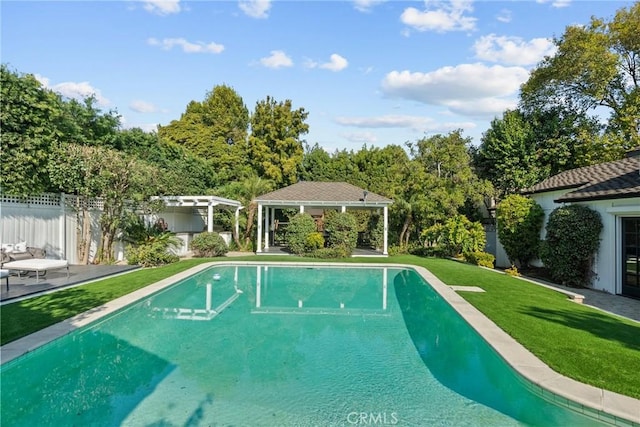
573 237
519 223
456 236
513 271
480 258
314 242
398 250
300 227
327 253
151 254
208 244
150 247
342 231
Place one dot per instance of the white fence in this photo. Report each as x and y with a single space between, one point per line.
48 221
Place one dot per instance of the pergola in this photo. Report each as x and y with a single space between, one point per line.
307 194
189 203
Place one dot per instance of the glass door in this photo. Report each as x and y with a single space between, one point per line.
631 257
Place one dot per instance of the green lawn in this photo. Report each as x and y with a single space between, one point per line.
577 341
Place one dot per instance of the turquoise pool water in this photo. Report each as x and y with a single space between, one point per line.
276 346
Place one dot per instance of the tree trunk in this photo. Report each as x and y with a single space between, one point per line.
251 214
404 233
85 243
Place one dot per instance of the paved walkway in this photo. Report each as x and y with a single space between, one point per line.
615 304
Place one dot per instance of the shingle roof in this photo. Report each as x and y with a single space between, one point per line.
323 193
611 180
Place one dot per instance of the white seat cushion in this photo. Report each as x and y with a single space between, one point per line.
36 264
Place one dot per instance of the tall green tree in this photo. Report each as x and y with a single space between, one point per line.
316 165
276 147
183 171
507 155
522 148
119 180
214 129
84 123
29 119
379 168
595 66
446 182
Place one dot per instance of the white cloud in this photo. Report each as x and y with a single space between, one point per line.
440 16
513 50
187 46
43 80
361 137
388 121
504 16
142 106
556 3
336 63
147 127
80 91
162 7
278 59
483 107
255 8
415 123
74 90
366 5
485 89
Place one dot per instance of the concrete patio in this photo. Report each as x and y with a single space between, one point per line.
26 285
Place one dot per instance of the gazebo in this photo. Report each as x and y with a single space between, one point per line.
307 195
188 216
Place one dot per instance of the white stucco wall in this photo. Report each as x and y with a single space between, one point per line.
608 267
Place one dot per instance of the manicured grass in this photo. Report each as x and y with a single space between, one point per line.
580 342
25 317
577 341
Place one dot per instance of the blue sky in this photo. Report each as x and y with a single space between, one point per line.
367 71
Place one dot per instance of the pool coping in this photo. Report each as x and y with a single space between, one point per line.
598 403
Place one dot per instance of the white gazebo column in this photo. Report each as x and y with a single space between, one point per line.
236 226
266 228
344 209
301 208
210 218
386 230
259 248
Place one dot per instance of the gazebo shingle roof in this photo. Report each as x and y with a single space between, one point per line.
323 193
611 180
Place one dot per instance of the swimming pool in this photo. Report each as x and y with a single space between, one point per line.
277 346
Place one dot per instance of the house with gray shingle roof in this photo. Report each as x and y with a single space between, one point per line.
613 190
307 196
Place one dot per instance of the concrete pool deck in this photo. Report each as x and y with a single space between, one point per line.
597 403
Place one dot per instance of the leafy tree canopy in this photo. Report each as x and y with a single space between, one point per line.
214 129
522 148
29 115
275 145
597 65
